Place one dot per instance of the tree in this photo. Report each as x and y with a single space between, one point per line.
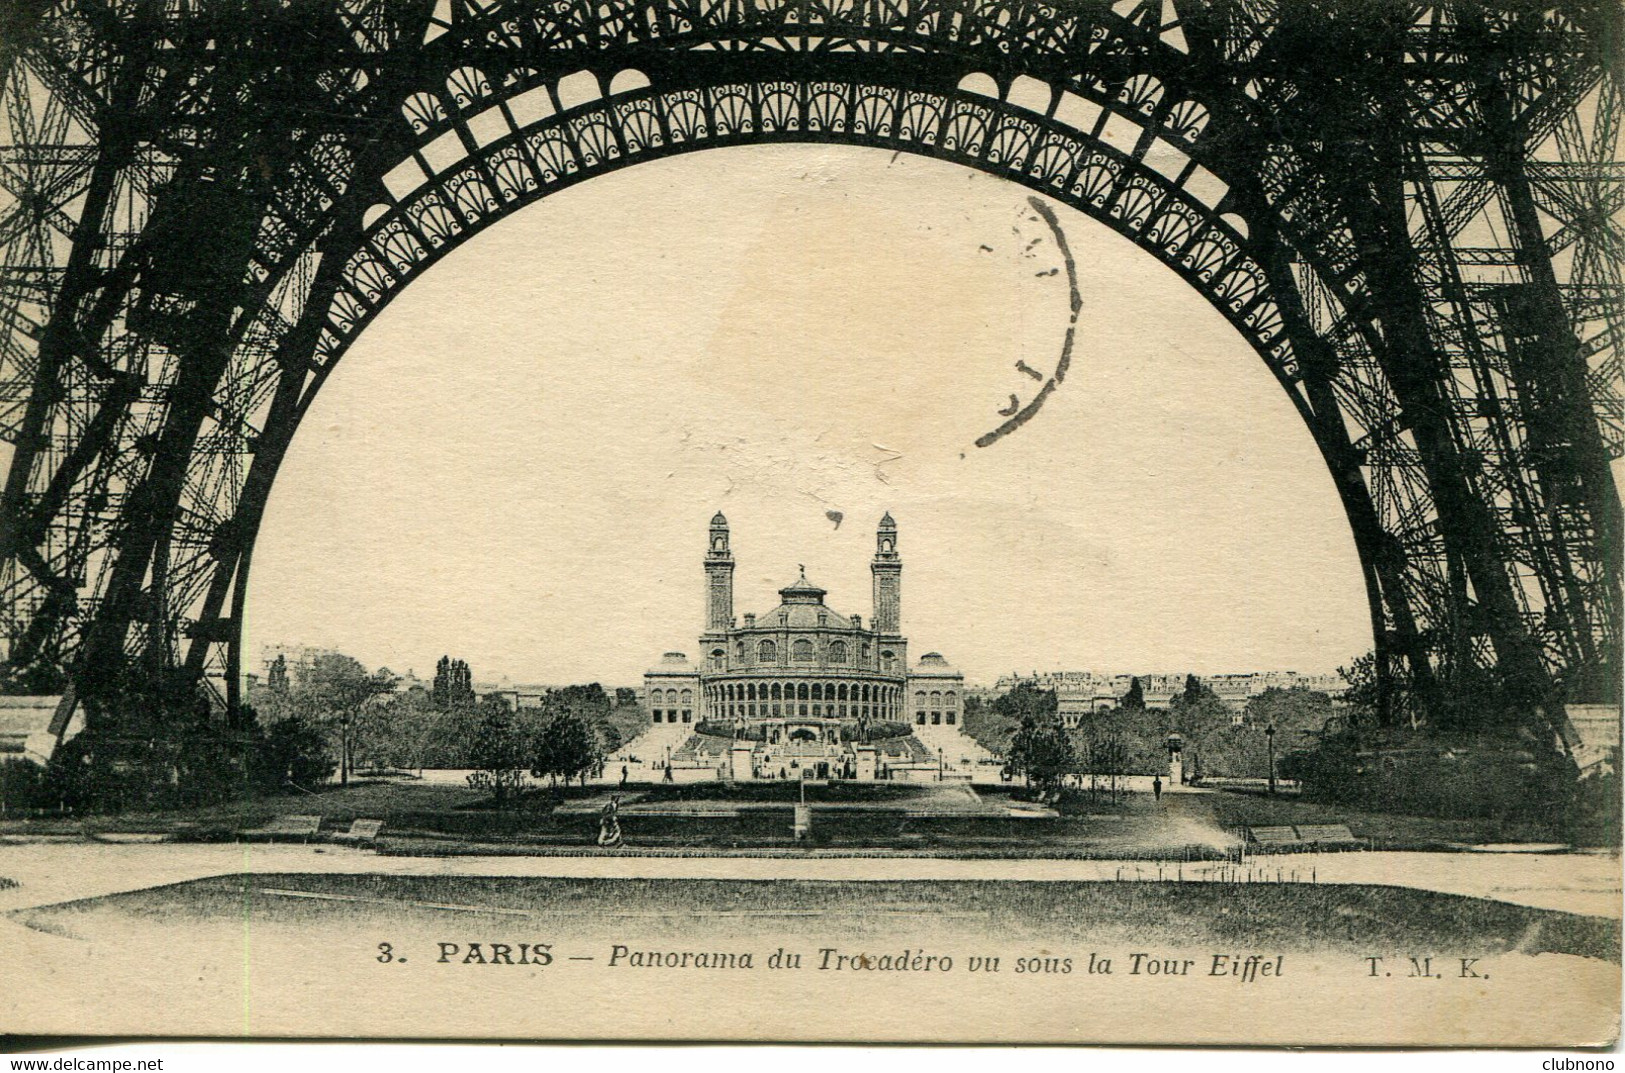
607 724
625 697
1196 706
294 753
331 690
567 748
1363 698
1134 699
1203 720
1026 700
1042 751
987 727
1039 749
1295 712
497 752
453 684
1105 749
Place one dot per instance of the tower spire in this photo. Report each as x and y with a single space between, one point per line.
887 570
719 577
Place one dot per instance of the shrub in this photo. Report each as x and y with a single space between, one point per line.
1490 777
293 752
23 785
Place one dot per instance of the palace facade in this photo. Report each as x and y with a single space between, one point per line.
1080 694
803 673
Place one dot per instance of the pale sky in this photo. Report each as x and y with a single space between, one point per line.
517 462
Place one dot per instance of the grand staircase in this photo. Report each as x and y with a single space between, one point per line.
959 749
644 754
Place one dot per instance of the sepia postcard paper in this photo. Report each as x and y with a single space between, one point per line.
923 521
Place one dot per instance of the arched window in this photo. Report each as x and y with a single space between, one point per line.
948 698
766 652
718 657
936 698
837 651
776 694
801 694
688 698
886 659
739 650
919 697
840 691
801 650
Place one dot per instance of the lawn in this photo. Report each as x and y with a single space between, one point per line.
364 798
425 818
1385 830
1356 920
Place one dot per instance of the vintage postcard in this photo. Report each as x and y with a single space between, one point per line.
925 521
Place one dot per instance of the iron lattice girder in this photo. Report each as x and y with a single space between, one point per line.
1224 85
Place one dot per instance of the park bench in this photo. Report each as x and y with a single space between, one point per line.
1275 835
1327 834
361 832
303 828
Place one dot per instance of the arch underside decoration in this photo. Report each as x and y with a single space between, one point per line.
1465 401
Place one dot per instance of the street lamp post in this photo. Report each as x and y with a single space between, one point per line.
344 750
1269 736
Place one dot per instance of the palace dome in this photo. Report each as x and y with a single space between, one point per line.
674 663
801 605
933 663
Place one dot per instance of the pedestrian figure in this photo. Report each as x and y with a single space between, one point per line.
624 774
1156 787
609 825
668 772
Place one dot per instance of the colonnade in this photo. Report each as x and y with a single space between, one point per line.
846 699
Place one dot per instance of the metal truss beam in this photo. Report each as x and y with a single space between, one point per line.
1410 212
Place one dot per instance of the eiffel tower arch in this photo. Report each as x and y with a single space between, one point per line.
1409 211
